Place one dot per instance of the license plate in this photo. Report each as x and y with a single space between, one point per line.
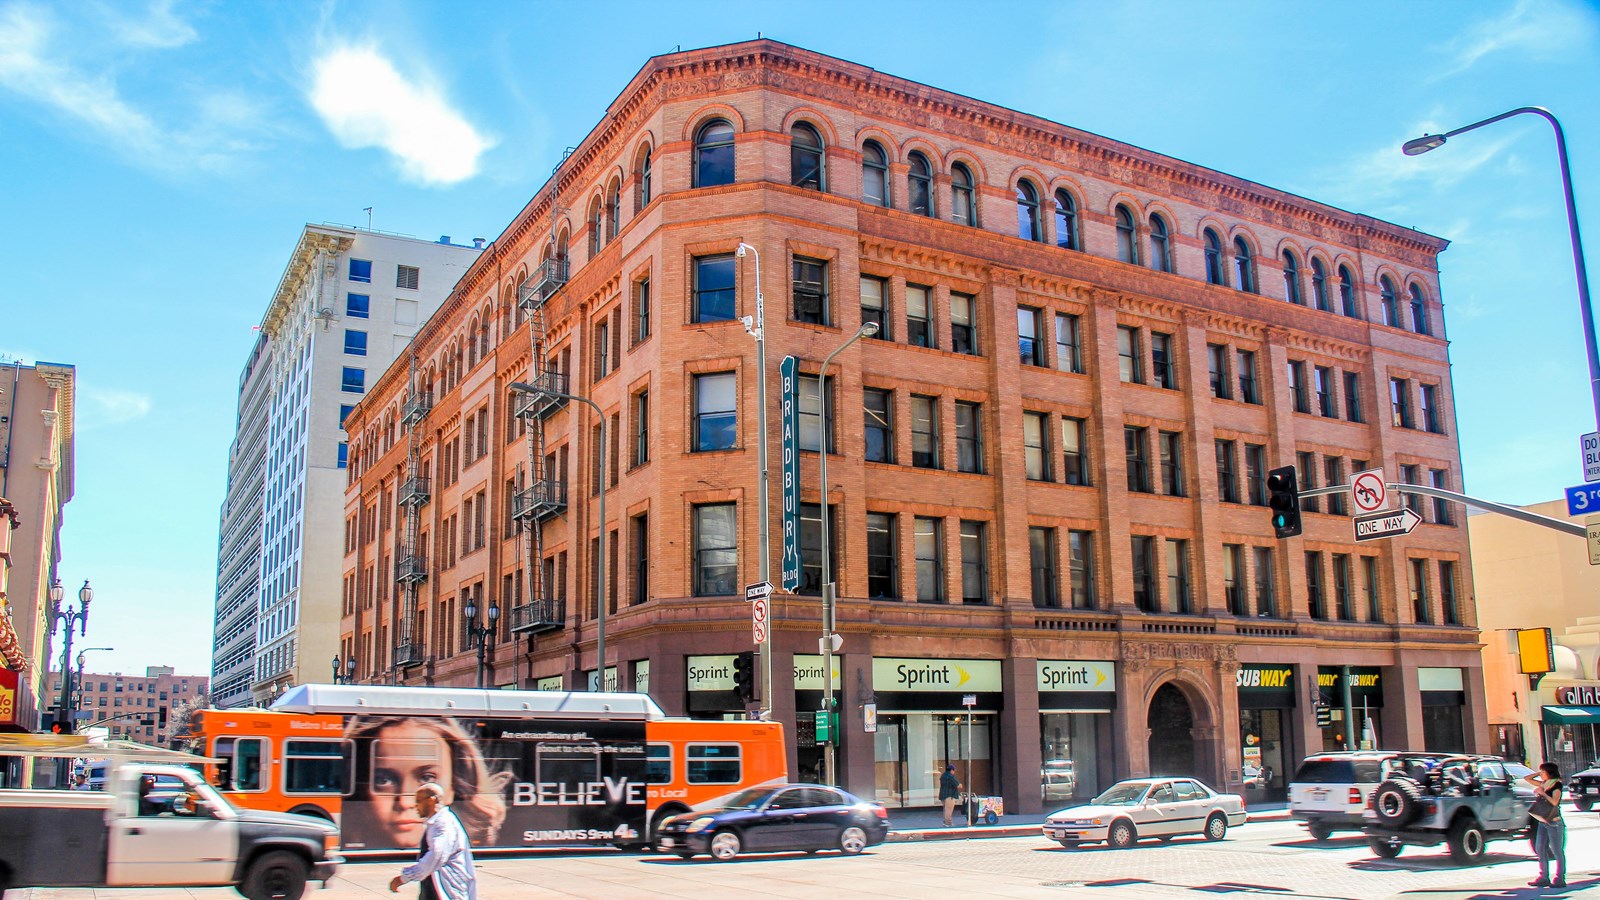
667 844
1057 833
1319 794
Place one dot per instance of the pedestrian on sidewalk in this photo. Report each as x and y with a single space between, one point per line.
444 861
1550 836
949 792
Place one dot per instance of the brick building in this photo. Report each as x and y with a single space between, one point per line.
137 707
1046 483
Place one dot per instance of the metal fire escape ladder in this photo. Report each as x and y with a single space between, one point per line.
411 566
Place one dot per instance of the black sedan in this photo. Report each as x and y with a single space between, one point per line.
807 817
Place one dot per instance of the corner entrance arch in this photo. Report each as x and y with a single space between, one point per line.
1171 723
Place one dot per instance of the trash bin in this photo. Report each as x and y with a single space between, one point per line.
985 810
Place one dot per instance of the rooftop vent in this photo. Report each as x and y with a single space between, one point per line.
444 238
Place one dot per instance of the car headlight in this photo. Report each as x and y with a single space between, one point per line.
700 824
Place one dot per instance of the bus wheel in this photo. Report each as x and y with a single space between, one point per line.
725 845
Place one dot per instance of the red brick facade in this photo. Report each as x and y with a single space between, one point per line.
479 343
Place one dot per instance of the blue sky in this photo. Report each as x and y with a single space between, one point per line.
157 161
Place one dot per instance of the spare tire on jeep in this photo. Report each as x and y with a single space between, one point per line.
1397 801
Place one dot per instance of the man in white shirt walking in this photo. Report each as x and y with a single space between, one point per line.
444 862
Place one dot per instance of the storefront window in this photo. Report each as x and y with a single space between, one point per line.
1070 751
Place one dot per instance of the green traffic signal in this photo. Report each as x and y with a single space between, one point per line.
1283 496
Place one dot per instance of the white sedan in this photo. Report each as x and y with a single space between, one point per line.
1147 807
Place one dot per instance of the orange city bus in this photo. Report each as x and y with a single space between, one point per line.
521 768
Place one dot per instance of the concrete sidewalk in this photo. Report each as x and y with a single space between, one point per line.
928 824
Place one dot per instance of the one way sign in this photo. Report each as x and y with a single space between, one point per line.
1386 524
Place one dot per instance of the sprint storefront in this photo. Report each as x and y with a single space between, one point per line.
1076 699
922 723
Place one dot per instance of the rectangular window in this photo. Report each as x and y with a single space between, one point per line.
406 277
641 557
353 380
1130 355
1344 602
1233 578
713 288
1144 573
641 310
925 432
602 348
716 419
1305 468
875 306
1069 353
1221 384
357 306
1297 386
1400 402
1042 566
641 428
1074 451
1255 473
1324 384
1419 591
658 764
1136 445
1314 584
816 414
963 324
1171 443
1413 502
1080 551
1032 349
810 291
1430 408
919 316
1352 397
969 437
1035 446
716 550
1333 475
1227 472
1369 587
1177 576
883 557
1447 592
974 563
811 548
355 342
361 270
1441 508
1248 391
344 412
878 422
713 763
928 539
344 454
317 767
1162 365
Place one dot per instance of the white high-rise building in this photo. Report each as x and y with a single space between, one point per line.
346 307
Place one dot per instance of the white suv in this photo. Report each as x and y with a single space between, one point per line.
1329 792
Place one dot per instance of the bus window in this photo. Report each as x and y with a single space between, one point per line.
567 763
713 763
315 767
223 750
658 764
240 769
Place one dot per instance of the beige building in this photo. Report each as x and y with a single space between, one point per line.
1533 577
36 440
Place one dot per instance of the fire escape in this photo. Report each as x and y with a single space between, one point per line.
411 562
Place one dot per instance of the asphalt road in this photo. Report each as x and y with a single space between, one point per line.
1266 859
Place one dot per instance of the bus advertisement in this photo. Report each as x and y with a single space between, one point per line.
519 768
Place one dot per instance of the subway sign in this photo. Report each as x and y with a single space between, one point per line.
1264 678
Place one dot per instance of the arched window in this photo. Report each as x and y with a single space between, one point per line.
483 337
1067 221
713 154
1127 236
1419 311
644 179
613 209
1291 279
921 179
1319 285
805 157
1244 266
595 226
1215 273
1160 244
1027 211
961 205
1347 292
1390 299
875 174
472 345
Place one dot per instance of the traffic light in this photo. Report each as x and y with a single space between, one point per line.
1283 496
744 676
58 725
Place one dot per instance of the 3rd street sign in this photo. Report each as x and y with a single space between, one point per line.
1386 524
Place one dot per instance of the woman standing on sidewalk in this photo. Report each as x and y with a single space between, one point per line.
1550 836
949 792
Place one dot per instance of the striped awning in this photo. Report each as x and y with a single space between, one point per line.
1571 715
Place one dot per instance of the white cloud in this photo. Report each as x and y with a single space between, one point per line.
1542 29
159 28
1379 178
366 102
30 65
102 408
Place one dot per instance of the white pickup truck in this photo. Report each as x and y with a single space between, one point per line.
185 834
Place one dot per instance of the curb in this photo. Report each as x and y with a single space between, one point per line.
1030 830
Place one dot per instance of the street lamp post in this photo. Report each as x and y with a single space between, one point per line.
758 329
77 685
344 670
481 633
1421 145
69 617
600 558
829 776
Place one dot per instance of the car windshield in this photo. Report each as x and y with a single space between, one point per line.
1128 793
748 799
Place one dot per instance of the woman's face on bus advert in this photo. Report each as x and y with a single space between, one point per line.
406 756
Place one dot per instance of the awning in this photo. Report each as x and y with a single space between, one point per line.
1572 715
